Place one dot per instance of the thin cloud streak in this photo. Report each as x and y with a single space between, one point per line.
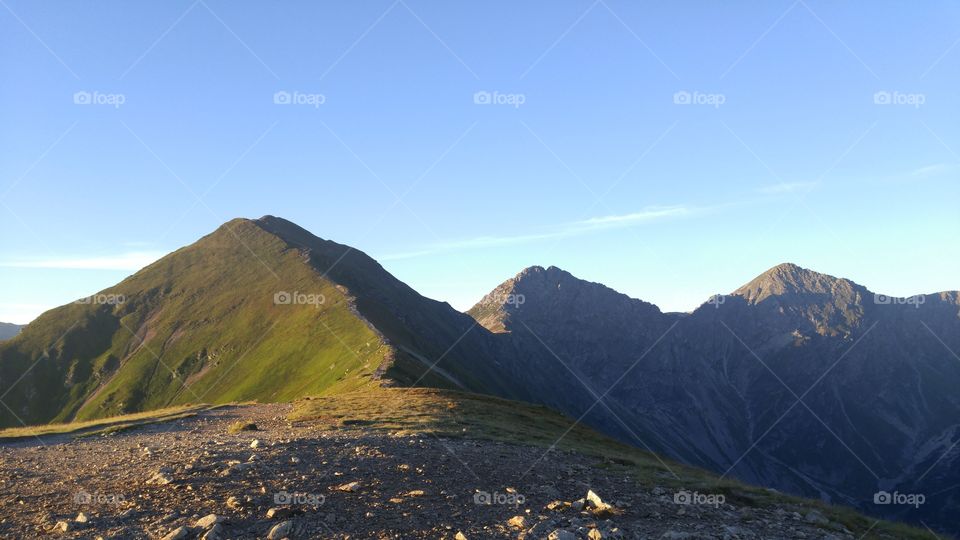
787 187
125 261
931 170
647 215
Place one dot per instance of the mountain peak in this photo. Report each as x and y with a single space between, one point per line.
790 280
544 294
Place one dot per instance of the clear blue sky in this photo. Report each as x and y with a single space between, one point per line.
583 160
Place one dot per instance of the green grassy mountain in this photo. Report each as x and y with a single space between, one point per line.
257 310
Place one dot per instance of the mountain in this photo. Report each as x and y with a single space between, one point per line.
257 310
8 330
798 381
721 387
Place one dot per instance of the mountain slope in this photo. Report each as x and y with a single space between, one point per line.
720 388
256 310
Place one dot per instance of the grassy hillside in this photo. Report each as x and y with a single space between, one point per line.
200 325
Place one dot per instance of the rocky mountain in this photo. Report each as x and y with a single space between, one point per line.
8 330
798 380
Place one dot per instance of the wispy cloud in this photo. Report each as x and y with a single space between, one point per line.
787 187
575 228
133 260
930 170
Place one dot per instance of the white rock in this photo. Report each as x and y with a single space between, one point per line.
208 521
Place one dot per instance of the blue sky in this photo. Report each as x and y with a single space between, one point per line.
669 151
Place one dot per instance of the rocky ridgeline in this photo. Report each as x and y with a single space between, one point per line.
193 479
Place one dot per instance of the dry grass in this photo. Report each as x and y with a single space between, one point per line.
112 424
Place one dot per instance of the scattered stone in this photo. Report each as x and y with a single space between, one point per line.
280 530
598 507
279 512
215 533
82 518
234 503
594 534
207 521
348 487
255 443
562 534
160 478
816 517
63 526
177 534
460 536
415 493
518 522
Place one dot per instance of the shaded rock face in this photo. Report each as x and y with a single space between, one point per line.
798 380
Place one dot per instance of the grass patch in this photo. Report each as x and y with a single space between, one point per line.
241 425
452 414
102 426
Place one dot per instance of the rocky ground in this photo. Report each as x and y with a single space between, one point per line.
194 479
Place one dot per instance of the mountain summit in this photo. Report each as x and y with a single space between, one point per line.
258 309
791 281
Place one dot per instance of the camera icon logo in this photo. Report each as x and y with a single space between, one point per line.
281 98
682 497
882 497
482 98
482 497
282 298
82 98
881 98
682 98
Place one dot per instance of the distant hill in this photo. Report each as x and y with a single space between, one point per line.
8 330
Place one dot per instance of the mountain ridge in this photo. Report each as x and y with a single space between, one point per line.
264 310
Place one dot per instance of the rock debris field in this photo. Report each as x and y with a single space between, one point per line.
192 478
